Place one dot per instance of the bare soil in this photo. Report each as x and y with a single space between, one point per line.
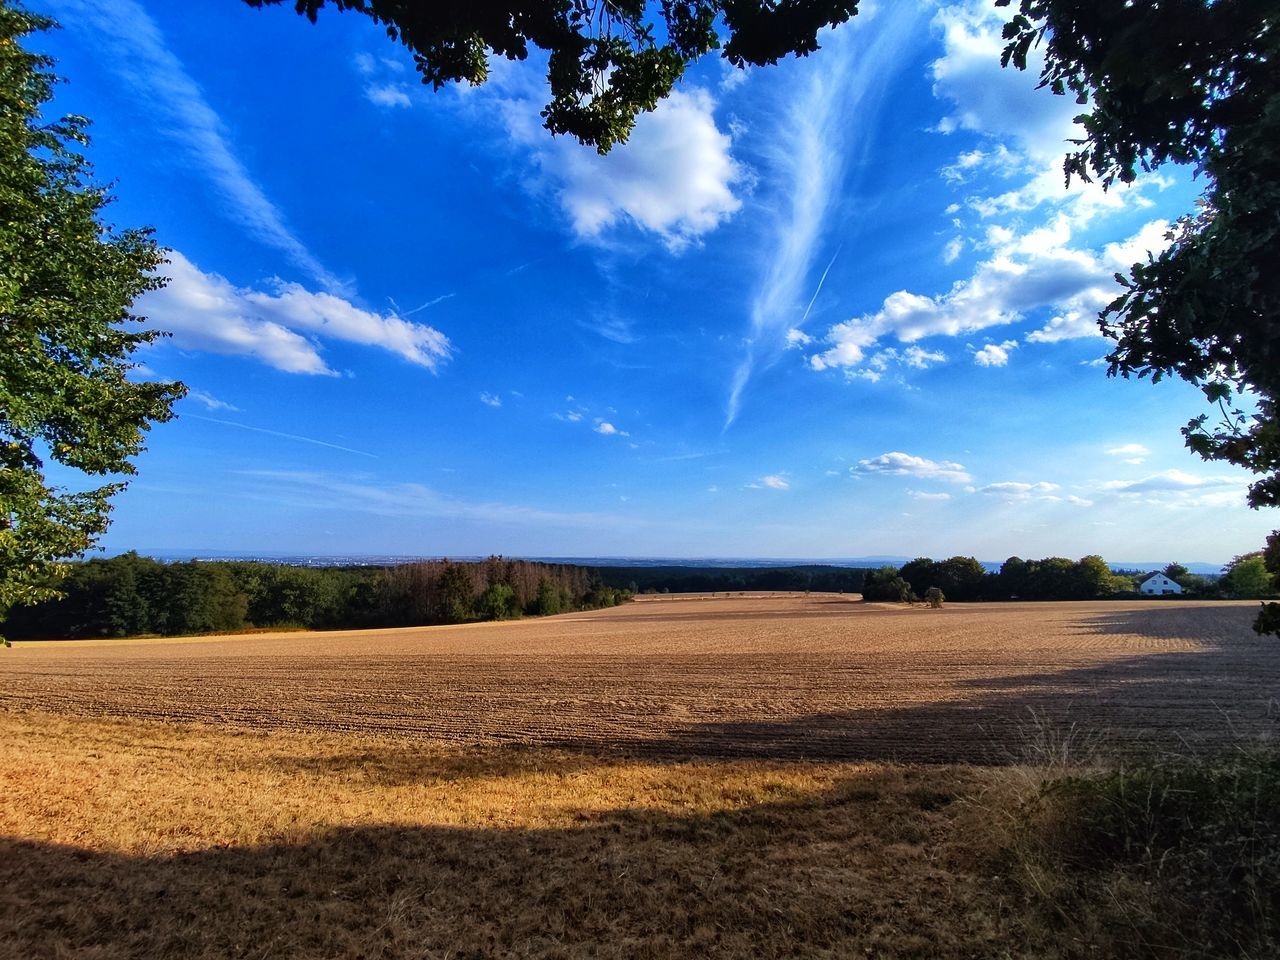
777 677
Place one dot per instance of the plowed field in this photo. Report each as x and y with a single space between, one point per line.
781 676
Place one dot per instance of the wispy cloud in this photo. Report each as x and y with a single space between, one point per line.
157 78
211 402
1134 453
285 436
1019 490
205 311
490 399
415 500
834 106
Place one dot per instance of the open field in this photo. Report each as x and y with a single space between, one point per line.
762 676
621 784
127 839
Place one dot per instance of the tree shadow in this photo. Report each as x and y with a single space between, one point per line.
876 866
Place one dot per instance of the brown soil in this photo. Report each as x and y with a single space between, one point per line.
763 676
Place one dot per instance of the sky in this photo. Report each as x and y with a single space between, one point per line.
839 307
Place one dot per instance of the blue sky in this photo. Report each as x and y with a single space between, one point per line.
835 308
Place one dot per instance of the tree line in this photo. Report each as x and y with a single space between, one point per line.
1057 578
678 579
131 595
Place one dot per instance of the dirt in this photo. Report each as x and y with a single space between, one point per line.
758 676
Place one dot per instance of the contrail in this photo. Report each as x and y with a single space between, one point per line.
277 433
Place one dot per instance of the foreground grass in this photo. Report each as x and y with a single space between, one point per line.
142 839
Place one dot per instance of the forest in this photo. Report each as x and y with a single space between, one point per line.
131 595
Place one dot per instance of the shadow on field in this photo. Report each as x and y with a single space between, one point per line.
1222 694
878 866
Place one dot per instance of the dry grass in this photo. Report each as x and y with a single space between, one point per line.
140 839
619 784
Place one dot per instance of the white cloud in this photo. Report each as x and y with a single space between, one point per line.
211 402
159 80
1025 272
1134 453
490 399
775 482
798 338
205 311
901 464
955 247
1016 490
994 354
607 429
986 98
674 177
389 95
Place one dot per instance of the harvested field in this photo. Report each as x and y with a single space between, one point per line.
128 840
784 677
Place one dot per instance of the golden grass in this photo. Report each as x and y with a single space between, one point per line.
139 839
396 794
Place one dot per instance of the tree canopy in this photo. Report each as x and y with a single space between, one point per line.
1193 82
66 334
608 60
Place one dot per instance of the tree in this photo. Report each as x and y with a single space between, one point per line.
67 280
605 63
934 597
884 585
1190 82
1246 577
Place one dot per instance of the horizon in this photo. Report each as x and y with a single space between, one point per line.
817 309
708 562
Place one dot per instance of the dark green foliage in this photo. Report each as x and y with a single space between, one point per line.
498 602
548 602
935 598
961 578
885 586
608 60
821 579
131 595
1194 82
67 281
1200 837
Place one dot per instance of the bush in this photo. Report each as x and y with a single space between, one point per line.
934 597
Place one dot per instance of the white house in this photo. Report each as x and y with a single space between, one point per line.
1158 584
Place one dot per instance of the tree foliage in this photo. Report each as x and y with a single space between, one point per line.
131 595
607 60
1192 82
67 280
